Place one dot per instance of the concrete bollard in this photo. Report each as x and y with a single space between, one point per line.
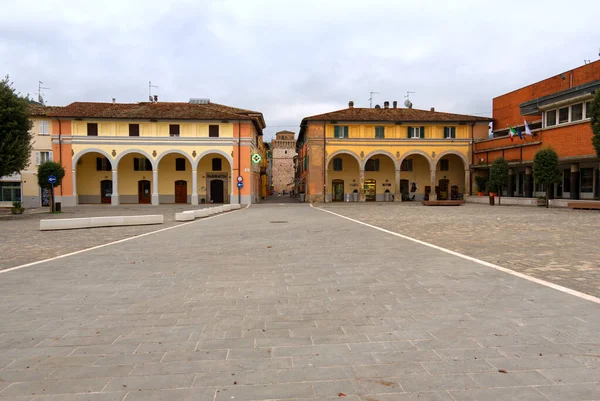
200 213
226 208
235 206
184 216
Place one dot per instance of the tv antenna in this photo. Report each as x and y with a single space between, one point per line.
407 102
371 99
150 86
39 92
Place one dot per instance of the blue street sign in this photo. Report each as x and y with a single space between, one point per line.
240 184
51 179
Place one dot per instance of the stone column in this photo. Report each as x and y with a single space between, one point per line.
467 183
511 179
195 187
574 194
114 199
397 193
325 185
75 198
155 198
432 195
361 188
528 183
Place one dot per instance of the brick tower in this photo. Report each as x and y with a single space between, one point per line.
284 150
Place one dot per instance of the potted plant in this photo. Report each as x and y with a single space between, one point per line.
17 208
481 182
545 171
498 178
541 201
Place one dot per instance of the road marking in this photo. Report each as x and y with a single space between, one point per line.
472 259
116 242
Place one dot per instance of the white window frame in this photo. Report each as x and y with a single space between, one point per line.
44 127
582 112
44 157
584 115
416 133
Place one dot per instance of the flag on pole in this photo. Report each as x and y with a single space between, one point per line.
527 130
512 133
519 133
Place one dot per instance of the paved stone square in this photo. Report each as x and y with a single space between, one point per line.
288 303
556 245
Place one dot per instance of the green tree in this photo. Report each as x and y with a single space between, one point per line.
15 138
545 169
594 112
47 169
498 176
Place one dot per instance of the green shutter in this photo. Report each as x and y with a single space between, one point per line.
136 164
446 134
453 132
422 132
336 132
410 131
376 165
346 131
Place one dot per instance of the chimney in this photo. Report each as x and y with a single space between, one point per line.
433 109
377 106
386 104
114 100
351 104
395 103
155 98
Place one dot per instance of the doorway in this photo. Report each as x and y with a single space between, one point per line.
404 190
443 188
181 191
370 190
144 191
105 191
338 190
217 189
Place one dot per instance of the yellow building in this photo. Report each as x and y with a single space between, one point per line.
157 152
389 153
24 186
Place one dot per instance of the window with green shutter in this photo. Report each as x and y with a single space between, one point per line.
337 164
422 132
380 132
372 165
340 131
449 132
416 132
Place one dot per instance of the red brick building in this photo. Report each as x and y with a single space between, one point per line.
556 110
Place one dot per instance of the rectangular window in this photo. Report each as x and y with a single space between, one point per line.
180 164
380 132
416 132
173 129
550 118
216 164
10 191
134 130
372 165
449 132
44 128
588 109
213 131
141 164
577 112
444 165
92 129
337 164
102 164
587 180
563 115
45 157
407 165
567 180
340 131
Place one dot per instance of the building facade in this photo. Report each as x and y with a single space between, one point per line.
283 153
384 154
557 112
157 152
23 186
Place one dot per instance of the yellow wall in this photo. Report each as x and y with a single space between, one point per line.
88 178
456 173
421 174
30 191
128 178
349 174
121 128
392 131
167 175
387 171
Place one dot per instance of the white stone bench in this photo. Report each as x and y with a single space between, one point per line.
226 208
185 216
235 206
107 221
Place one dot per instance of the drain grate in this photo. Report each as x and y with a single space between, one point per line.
279 222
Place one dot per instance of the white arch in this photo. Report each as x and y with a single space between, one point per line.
212 151
421 153
173 151
344 152
141 152
384 153
452 152
92 150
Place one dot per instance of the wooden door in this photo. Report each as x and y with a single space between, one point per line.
105 191
217 191
443 185
180 191
144 195
338 191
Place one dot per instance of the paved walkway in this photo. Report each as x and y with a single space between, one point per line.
245 306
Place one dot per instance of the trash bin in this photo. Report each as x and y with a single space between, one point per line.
347 197
492 200
57 207
355 196
301 197
386 196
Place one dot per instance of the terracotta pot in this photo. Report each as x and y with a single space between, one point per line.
493 194
480 193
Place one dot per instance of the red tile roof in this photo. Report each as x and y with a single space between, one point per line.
39 110
393 115
159 111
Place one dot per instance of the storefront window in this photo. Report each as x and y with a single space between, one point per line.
10 192
587 180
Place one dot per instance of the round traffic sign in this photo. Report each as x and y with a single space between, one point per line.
240 178
51 179
256 158
240 184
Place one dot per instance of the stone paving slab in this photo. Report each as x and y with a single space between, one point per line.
556 245
316 309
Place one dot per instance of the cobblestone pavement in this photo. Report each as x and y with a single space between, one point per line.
557 245
22 242
244 306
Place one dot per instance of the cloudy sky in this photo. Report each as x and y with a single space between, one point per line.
294 58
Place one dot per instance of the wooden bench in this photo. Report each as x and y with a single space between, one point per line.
584 205
444 203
